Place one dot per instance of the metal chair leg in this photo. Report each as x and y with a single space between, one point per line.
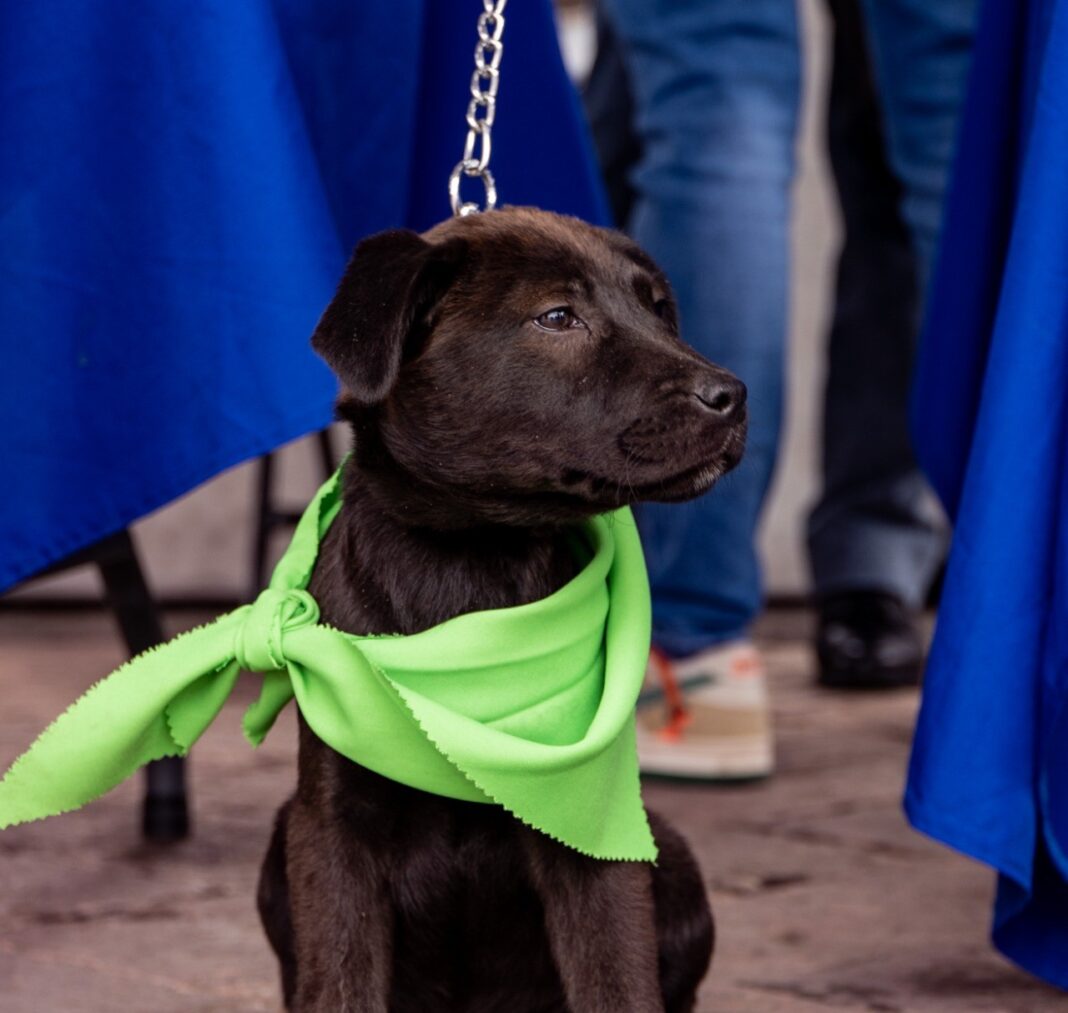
165 812
269 517
265 521
326 453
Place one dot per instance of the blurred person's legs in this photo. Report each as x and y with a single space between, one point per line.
876 536
921 54
609 103
716 90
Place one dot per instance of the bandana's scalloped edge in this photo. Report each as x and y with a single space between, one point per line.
62 810
507 808
169 721
178 750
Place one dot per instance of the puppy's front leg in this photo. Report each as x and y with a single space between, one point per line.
600 922
342 919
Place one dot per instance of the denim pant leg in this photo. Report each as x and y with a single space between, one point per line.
877 525
716 88
921 52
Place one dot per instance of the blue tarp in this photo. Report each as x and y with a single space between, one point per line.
989 771
180 185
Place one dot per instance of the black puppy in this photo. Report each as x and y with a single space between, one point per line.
506 375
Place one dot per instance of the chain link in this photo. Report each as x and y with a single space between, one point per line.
481 111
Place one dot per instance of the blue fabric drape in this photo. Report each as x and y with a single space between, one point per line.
989 772
180 185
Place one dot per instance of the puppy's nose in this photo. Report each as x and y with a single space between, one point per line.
722 395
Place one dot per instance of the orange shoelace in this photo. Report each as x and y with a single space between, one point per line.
678 715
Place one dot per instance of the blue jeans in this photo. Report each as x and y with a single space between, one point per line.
716 87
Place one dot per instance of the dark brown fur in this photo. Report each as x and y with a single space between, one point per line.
479 437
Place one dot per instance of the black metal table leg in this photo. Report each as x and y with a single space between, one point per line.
265 521
326 452
165 812
269 517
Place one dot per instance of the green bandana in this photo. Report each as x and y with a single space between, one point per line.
530 707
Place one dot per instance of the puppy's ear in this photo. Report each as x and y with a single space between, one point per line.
390 285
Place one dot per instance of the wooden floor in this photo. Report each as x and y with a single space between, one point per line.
825 900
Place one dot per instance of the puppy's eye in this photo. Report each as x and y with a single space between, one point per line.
560 318
662 308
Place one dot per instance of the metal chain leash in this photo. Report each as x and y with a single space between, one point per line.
481 111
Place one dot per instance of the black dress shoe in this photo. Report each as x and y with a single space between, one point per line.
867 640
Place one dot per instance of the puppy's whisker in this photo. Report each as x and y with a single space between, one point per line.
627 460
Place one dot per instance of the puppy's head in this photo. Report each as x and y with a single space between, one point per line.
525 368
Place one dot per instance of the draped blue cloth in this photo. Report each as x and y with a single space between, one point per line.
989 771
180 185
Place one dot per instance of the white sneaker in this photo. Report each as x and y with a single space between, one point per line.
706 717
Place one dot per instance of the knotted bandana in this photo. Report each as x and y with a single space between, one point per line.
530 707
